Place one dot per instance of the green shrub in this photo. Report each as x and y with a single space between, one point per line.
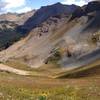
54 58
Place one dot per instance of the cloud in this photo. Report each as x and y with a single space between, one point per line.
2 5
25 9
77 2
14 3
14 6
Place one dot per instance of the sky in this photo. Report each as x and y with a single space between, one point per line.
20 6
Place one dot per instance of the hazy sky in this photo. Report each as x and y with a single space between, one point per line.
20 6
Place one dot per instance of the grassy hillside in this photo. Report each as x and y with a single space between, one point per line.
41 88
78 84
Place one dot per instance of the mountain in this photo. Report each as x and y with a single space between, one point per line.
57 9
92 6
17 18
46 12
67 35
8 24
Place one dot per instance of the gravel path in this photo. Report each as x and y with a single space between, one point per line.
13 70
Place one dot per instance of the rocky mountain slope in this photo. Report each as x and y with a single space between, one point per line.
65 34
17 18
8 27
46 12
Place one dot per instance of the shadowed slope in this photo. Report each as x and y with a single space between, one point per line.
91 69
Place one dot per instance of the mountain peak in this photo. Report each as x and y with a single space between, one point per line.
58 3
92 6
46 12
